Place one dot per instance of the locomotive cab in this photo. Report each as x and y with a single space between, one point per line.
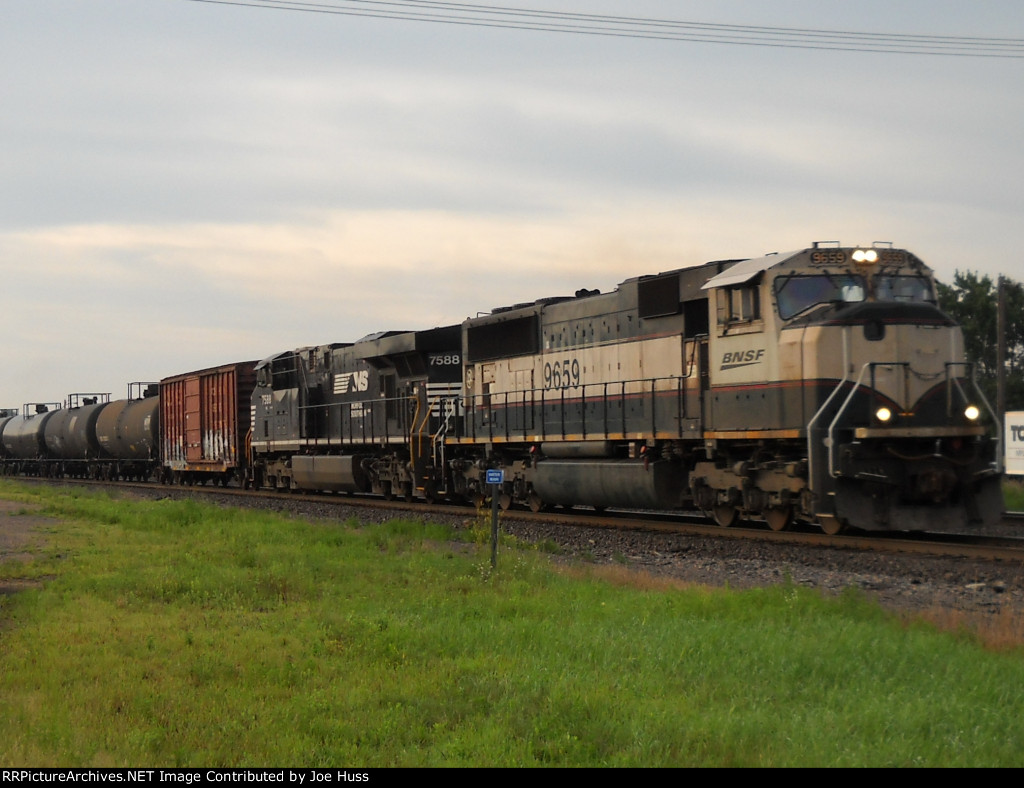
303 405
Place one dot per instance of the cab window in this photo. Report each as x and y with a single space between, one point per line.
796 294
903 288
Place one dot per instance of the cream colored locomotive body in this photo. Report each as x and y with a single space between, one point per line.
822 384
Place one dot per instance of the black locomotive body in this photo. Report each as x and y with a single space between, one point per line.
360 417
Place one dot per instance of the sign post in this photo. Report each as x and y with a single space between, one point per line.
495 478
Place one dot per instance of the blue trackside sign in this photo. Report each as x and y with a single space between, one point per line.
495 476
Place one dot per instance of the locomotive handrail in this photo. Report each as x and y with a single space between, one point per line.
414 433
813 450
830 442
248 448
952 382
998 464
420 430
438 445
523 414
366 430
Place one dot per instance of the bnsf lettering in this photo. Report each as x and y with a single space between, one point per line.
741 358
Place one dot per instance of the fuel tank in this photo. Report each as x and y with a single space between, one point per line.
340 474
629 484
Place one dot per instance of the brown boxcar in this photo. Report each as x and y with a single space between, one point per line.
204 420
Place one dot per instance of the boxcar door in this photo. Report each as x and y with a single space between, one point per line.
193 421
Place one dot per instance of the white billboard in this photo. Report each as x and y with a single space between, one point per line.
1013 440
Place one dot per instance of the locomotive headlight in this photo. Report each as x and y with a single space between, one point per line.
884 415
972 413
865 256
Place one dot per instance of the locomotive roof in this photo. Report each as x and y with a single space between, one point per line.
746 270
388 343
297 352
373 337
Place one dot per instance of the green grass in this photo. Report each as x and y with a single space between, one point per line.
1013 493
179 634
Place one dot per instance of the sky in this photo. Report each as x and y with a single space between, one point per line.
187 184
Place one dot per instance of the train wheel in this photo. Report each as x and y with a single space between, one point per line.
505 502
830 524
779 518
725 515
534 502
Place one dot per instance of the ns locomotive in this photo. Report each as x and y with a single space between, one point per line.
822 385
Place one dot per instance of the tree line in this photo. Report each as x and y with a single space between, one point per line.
972 300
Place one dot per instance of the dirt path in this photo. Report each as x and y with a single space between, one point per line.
20 535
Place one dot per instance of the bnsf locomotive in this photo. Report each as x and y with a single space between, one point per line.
822 385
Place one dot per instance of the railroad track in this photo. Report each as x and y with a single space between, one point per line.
990 548
984 547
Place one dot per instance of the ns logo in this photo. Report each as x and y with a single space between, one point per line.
352 381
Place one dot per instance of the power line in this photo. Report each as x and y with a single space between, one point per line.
504 17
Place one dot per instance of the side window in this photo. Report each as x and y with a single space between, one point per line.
283 372
739 305
744 303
